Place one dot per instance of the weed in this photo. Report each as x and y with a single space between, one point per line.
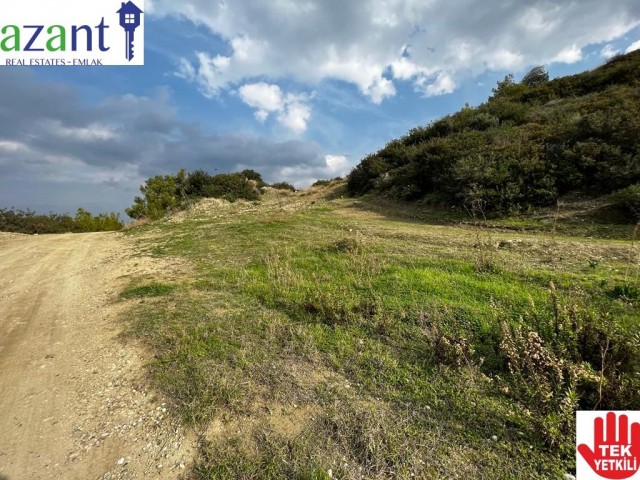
567 357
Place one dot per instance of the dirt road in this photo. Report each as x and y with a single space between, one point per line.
73 401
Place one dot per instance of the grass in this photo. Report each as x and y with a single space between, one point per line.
321 339
149 290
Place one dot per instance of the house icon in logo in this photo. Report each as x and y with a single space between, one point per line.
129 20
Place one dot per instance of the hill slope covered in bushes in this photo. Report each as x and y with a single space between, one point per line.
529 144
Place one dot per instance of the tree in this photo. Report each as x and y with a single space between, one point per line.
503 86
84 220
197 183
161 194
254 176
536 76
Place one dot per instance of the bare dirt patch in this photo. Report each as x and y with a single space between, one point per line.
73 398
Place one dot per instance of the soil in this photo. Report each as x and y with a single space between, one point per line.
74 402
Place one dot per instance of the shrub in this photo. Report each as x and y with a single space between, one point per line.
483 121
321 183
566 357
231 187
104 222
627 201
283 186
197 183
625 291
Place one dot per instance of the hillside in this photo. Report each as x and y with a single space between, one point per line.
315 336
531 143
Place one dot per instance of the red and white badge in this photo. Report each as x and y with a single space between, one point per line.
608 445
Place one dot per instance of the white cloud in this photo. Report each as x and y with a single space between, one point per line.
337 164
609 51
186 70
442 85
295 117
504 59
571 54
405 69
374 44
90 133
632 47
292 110
12 147
266 98
210 73
261 115
538 21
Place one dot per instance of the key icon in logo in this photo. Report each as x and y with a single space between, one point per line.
129 20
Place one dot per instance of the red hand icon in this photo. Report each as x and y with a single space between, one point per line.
611 458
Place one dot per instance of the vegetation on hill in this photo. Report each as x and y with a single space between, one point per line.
27 221
163 194
529 144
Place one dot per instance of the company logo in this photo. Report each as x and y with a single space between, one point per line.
72 33
130 16
608 445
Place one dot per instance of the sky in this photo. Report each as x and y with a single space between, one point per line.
296 89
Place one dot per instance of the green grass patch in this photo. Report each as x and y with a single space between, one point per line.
148 290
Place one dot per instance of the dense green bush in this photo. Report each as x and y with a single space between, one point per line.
528 144
197 184
231 187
